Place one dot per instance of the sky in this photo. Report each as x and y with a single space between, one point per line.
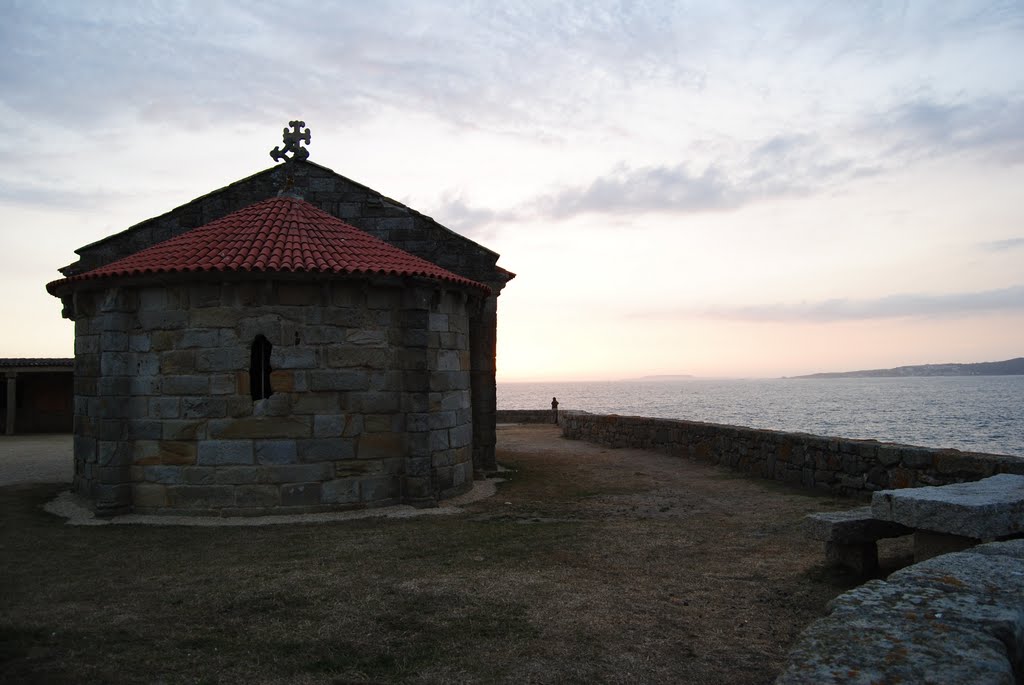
726 189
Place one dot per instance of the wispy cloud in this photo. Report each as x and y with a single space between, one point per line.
784 165
926 127
1003 245
1009 299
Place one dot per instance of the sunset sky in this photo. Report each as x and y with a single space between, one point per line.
708 188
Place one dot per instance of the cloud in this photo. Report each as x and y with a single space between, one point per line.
32 195
784 165
1003 245
925 127
456 214
1009 299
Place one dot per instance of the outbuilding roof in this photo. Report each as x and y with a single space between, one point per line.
282 234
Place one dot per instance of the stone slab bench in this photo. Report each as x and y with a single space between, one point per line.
958 516
851 537
956 618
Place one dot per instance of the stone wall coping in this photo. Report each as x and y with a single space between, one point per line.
846 466
955 618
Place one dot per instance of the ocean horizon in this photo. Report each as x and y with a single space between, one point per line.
969 413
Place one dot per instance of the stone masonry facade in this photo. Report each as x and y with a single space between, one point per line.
369 211
371 401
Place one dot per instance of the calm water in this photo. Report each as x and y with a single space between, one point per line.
977 413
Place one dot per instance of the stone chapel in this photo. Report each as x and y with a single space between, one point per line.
293 342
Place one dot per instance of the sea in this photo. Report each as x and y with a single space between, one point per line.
970 413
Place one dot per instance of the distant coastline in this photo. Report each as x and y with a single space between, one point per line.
1010 367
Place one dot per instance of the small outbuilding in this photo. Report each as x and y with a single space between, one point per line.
265 351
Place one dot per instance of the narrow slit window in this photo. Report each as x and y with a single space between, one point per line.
259 369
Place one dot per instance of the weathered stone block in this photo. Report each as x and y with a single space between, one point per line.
276 451
441 419
438 322
340 491
282 357
438 440
168 475
449 360
178 362
298 294
237 475
297 473
185 385
368 338
984 510
377 489
300 494
374 402
330 426
325 449
282 381
183 430
460 436
149 495
200 337
201 496
114 453
179 453
261 427
358 357
142 429
316 403
338 380
113 341
417 421
213 317
380 445
257 496
383 423
223 384
218 452
198 475
202 407
221 359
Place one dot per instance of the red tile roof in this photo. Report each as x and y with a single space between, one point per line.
282 234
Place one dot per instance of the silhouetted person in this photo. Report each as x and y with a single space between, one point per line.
554 408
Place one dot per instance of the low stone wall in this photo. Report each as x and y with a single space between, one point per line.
525 416
956 618
839 465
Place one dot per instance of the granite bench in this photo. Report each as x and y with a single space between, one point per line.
952 518
851 537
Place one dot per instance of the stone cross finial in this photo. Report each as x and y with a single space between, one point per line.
292 143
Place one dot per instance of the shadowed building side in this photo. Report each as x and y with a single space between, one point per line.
370 211
239 358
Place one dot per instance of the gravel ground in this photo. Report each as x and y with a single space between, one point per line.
35 459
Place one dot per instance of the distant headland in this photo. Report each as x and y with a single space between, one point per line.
1010 367
667 377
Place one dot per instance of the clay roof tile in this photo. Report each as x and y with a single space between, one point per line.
280 234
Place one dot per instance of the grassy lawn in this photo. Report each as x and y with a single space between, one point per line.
590 565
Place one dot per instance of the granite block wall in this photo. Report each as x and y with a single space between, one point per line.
370 404
525 416
838 465
372 212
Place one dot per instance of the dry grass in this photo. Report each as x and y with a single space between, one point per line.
590 565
